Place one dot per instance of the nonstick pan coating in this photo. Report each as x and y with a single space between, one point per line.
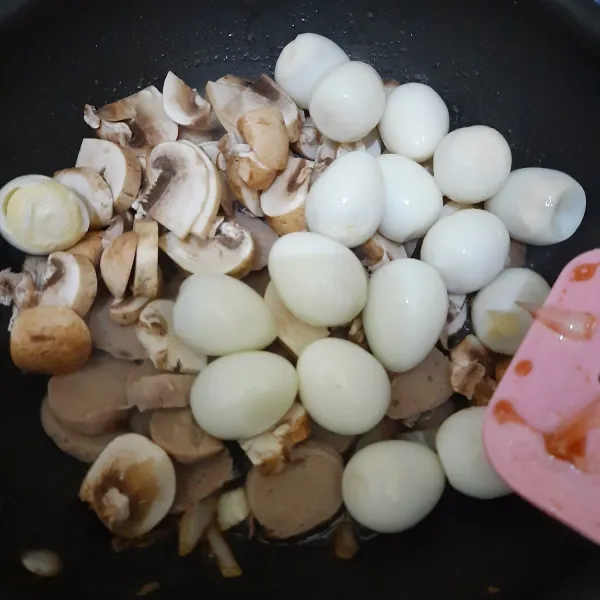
495 62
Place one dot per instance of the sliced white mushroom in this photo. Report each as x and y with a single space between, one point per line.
326 154
217 190
90 186
265 132
70 281
283 203
293 333
185 105
145 275
180 188
90 246
39 215
126 311
156 333
309 141
371 143
118 225
268 449
131 486
118 166
220 93
378 251
116 263
229 251
264 238
143 113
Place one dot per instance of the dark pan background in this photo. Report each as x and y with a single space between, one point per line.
530 69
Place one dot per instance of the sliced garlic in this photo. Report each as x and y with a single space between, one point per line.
131 486
39 215
156 333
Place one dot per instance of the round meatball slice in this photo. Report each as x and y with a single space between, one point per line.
305 494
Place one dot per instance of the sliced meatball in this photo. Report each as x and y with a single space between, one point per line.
305 494
85 448
176 431
200 480
91 401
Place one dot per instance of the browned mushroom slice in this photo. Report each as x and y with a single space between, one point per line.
422 388
126 311
144 116
309 141
150 390
119 341
145 278
269 450
305 494
90 246
176 431
473 367
283 203
378 251
341 443
91 401
265 132
200 480
116 263
85 448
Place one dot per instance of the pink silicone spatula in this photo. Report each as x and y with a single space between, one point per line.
542 428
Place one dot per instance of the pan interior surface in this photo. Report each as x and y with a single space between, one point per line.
495 63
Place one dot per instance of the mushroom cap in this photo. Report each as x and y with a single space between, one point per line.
119 167
90 186
131 486
183 187
229 252
117 262
264 129
185 105
70 281
50 339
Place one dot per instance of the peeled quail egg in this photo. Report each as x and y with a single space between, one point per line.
471 164
405 313
39 215
346 202
319 280
499 323
304 62
348 102
242 395
217 315
413 201
414 121
468 248
342 387
539 206
390 486
460 448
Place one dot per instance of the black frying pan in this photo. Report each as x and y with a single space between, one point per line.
530 70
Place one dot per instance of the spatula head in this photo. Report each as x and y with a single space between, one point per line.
542 428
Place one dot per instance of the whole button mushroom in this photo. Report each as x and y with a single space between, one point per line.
499 322
413 201
304 62
217 315
319 280
405 313
460 447
348 102
343 388
241 395
468 248
390 486
539 206
471 164
347 201
414 121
